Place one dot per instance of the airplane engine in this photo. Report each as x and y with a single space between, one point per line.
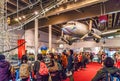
91 33
70 43
97 40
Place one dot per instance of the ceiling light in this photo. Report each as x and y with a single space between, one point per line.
20 18
23 17
35 12
110 37
16 19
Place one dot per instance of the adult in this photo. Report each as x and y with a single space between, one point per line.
64 64
80 61
84 60
53 68
40 69
107 68
70 64
24 69
5 74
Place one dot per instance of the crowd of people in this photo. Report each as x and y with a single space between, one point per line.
57 68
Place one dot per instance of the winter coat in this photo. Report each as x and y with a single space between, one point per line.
101 74
4 70
36 67
70 63
64 61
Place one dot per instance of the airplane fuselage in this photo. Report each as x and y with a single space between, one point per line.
77 29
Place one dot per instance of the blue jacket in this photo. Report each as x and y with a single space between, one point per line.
70 63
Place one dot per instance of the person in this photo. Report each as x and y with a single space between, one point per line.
84 60
64 64
107 68
91 57
59 62
75 62
70 64
5 74
103 56
79 61
39 70
64 60
24 69
53 68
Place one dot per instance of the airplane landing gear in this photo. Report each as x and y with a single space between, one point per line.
70 43
96 40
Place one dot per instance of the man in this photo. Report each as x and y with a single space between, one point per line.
70 64
107 68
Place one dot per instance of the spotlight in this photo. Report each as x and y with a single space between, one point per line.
20 18
16 19
35 12
23 17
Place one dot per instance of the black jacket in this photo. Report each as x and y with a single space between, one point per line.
36 66
102 72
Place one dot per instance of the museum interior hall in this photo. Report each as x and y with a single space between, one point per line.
78 35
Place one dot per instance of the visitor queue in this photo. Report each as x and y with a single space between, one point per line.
58 67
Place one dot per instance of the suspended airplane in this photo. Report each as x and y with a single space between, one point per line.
74 30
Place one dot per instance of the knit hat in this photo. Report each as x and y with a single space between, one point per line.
109 62
2 57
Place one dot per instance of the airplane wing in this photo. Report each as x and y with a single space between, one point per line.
110 32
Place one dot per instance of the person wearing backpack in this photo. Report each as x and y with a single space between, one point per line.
24 69
58 60
53 68
41 72
5 74
108 69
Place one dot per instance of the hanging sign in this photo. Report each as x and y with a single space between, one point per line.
103 19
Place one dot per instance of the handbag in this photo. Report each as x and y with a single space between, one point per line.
68 73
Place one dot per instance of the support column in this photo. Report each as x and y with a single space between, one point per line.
36 38
50 38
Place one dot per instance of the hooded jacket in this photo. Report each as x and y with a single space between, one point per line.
102 72
4 70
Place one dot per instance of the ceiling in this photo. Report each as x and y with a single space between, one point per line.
57 18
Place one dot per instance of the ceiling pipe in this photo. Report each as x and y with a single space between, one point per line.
24 8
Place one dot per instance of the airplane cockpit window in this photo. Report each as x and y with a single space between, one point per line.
71 23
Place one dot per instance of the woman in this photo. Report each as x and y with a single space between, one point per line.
40 69
53 68
5 74
80 61
64 64
24 69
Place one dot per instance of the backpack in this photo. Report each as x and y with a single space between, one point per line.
112 77
24 71
54 68
59 66
43 69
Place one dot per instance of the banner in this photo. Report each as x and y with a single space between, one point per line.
103 19
21 48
